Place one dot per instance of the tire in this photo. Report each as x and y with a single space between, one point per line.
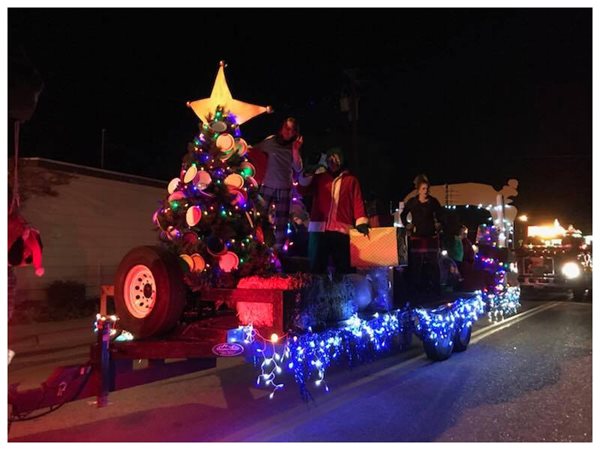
462 338
439 352
156 275
405 339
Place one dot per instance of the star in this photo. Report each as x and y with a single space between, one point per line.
221 96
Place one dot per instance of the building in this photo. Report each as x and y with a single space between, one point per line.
88 219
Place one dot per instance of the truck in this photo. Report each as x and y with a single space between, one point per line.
552 258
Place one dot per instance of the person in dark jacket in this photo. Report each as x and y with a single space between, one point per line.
424 209
426 212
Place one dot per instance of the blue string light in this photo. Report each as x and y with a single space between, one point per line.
308 356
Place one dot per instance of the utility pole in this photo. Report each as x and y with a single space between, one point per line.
102 149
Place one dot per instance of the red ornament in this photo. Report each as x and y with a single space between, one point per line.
260 236
190 238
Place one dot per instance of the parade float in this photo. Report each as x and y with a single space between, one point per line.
215 288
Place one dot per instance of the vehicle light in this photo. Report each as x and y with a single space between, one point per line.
571 270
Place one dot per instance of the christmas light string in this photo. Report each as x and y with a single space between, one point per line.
359 340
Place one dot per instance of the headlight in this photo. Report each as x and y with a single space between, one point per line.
571 270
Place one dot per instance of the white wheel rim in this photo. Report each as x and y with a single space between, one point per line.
139 291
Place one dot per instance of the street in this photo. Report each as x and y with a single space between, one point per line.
526 379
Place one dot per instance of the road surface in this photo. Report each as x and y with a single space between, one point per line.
526 379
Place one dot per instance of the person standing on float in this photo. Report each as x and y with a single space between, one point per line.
283 151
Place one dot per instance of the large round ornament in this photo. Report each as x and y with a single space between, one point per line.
229 261
177 195
190 174
241 147
193 215
189 261
248 169
199 263
225 142
172 187
234 180
203 179
218 126
215 246
190 238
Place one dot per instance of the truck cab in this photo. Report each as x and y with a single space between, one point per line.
554 258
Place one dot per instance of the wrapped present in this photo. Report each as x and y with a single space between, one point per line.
378 249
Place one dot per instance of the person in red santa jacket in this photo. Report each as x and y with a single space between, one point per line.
337 206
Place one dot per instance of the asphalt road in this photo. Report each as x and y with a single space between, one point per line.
526 379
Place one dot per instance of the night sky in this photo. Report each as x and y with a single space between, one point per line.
463 95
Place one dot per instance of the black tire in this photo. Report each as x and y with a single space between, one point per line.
165 284
462 338
439 352
405 338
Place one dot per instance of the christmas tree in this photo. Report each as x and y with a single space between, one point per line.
210 216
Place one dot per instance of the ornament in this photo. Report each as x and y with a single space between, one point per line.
234 180
229 261
190 174
172 233
248 169
239 196
260 235
173 184
252 182
193 215
189 261
203 179
199 263
218 126
190 238
177 195
226 143
221 96
215 246
241 147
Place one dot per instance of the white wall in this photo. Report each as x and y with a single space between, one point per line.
86 229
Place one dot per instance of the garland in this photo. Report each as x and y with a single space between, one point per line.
309 355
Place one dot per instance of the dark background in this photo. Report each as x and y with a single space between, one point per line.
464 95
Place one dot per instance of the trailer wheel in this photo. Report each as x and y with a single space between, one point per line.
149 291
462 338
441 351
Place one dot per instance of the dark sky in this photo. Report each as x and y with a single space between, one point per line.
479 95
